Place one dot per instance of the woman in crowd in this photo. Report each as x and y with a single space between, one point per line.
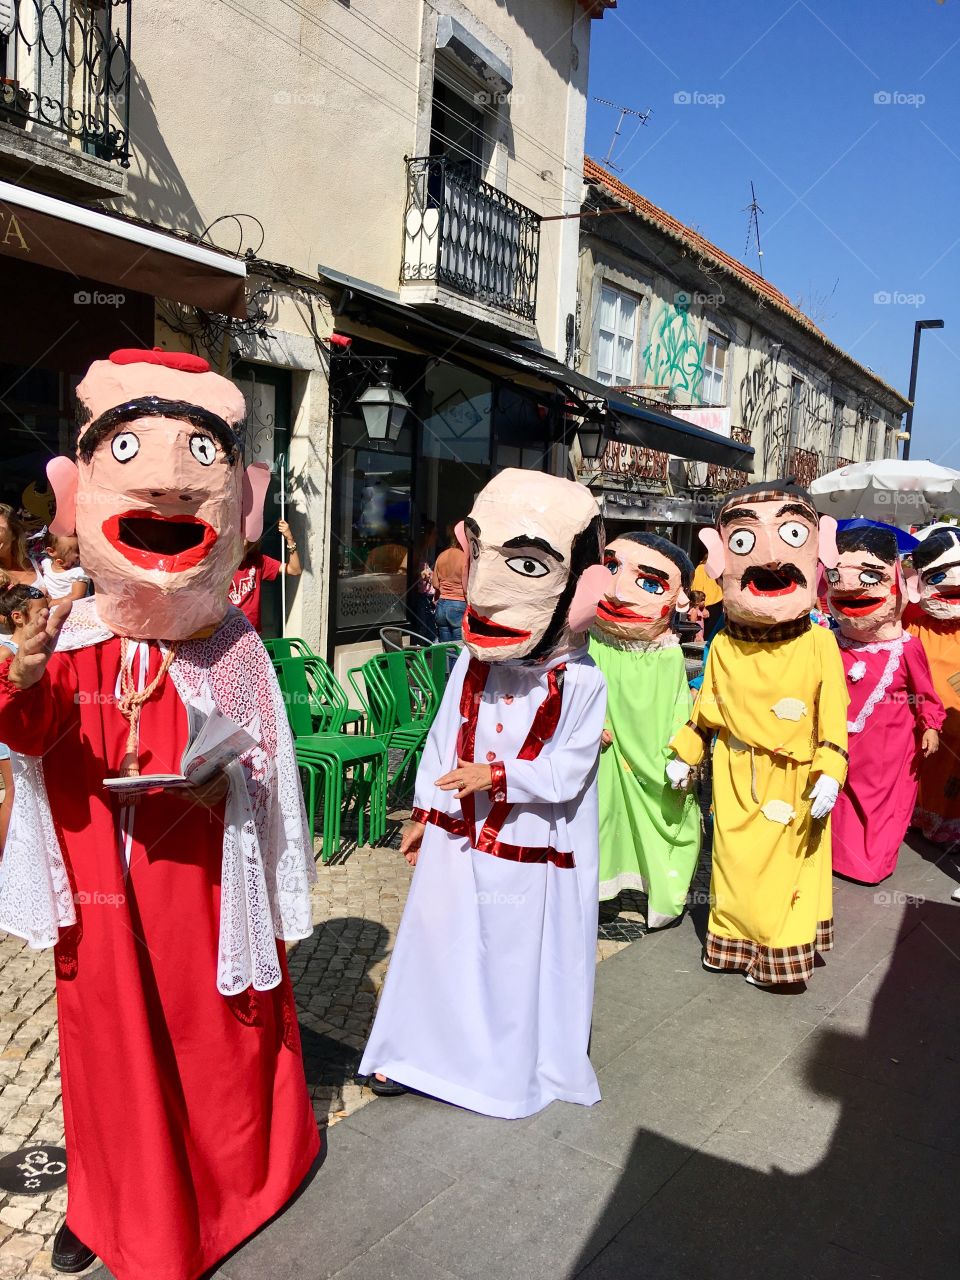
19 604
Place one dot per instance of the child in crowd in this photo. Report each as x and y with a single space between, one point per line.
697 613
19 605
61 570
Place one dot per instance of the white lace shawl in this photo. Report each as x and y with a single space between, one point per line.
268 864
894 651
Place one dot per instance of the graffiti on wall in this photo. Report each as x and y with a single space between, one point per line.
782 418
673 356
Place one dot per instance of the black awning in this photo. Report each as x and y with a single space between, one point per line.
364 304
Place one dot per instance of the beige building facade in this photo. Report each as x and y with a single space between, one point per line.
398 173
676 319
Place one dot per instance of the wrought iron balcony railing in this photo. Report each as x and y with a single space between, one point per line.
723 479
65 67
464 233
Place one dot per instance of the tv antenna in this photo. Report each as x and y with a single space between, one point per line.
642 116
753 227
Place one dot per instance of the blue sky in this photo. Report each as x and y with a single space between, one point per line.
861 196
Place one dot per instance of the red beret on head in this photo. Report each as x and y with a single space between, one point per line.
181 360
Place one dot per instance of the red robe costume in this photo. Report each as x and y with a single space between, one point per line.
187 1118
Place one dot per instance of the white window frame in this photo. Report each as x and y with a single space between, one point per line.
716 341
609 377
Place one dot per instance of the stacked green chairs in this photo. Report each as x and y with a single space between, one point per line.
280 647
325 758
401 700
437 662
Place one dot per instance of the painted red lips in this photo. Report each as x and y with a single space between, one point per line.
856 606
169 544
487 634
610 611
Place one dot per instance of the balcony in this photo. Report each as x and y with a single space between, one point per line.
64 92
464 237
725 479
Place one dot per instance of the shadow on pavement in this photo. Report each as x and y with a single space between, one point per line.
867 1188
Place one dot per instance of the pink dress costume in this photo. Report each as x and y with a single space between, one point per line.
892 700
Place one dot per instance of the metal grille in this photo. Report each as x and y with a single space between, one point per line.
65 66
466 234
723 479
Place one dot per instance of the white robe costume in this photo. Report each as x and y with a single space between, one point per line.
488 998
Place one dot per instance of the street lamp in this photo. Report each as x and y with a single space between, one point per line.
908 425
591 435
384 409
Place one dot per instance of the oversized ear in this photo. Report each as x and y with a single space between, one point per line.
908 582
62 474
460 533
256 482
829 555
590 591
682 602
714 543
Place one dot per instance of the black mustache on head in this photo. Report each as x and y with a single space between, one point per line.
767 579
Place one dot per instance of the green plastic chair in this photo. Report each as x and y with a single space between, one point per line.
280 647
329 756
401 701
437 662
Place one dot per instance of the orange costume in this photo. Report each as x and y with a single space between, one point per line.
938 803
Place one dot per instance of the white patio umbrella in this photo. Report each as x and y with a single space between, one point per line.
901 493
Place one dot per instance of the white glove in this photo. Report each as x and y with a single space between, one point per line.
823 796
677 773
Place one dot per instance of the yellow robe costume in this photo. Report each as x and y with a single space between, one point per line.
778 705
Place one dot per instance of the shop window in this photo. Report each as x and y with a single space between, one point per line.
615 338
713 389
372 535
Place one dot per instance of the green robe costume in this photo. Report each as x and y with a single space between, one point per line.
649 833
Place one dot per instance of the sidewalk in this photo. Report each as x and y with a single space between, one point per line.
337 975
742 1133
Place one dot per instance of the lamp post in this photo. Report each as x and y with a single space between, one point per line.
908 426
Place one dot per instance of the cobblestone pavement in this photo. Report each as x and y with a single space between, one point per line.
337 975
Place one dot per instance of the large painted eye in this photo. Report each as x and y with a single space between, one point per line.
833 576
653 585
203 449
870 578
527 567
612 563
125 446
936 578
793 533
742 542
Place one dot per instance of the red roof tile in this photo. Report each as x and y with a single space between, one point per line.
767 292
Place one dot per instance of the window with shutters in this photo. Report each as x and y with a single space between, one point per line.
615 337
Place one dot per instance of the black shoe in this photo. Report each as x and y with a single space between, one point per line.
386 1088
69 1253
